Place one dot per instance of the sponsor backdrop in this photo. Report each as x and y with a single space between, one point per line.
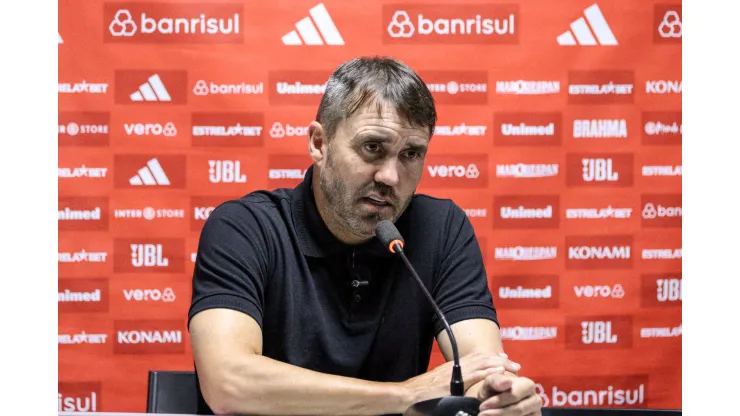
559 134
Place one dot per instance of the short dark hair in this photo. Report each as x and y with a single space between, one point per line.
386 80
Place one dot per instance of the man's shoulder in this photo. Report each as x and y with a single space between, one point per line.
259 205
436 209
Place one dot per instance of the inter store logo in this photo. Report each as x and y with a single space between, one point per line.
79 396
149 337
84 128
163 255
526 211
623 391
83 295
598 332
592 252
83 214
457 87
600 169
458 171
527 129
228 129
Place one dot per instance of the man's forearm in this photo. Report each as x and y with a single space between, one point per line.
262 386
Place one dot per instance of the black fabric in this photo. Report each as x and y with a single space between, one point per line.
271 256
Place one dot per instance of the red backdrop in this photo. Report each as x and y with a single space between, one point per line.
559 134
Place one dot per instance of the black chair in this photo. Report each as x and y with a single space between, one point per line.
172 392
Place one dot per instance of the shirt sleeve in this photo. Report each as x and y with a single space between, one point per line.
231 265
461 287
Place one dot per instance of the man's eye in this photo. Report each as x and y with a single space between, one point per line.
372 147
412 154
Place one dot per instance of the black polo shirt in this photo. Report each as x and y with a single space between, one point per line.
271 256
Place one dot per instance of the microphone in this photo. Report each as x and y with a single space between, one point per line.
456 403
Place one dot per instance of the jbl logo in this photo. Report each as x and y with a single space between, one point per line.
225 171
148 255
599 170
669 290
597 332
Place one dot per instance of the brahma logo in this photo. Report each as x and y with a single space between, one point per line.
146 295
461 129
149 171
527 170
228 129
529 333
662 128
589 291
598 332
667 25
457 87
661 254
84 128
530 253
601 87
286 171
164 255
162 23
662 170
280 130
662 210
527 129
83 295
600 170
663 87
79 396
526 211
150 129
598 213
451 23
522 87
203 87
629 391
662 290
297 87
600 129
149 337
590 252
525 291
458 171
83 87
201 207
83 214
151 87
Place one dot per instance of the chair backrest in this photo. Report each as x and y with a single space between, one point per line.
172 392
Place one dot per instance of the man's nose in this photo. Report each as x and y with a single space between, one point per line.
387 173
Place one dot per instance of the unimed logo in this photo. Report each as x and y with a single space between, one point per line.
527 129
297 87
598 332
83 214
526 211
662 128
600 169
590 252
134 255
458 171
149 171
451 23
83 295
457 87
79 396
84 128
149 337
662 290
228 129
623 391
154 87
662 210
151 22
201 208
601 87
286 171
526 291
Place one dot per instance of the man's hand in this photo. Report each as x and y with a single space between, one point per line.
506 395
475 368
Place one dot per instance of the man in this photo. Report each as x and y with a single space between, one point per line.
298 310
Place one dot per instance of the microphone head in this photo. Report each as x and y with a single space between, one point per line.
388 235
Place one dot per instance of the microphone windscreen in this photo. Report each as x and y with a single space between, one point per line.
387 233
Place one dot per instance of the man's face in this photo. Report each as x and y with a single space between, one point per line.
372 167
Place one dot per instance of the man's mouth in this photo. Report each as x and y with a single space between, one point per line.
377 201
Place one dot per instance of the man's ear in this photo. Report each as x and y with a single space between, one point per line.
317 142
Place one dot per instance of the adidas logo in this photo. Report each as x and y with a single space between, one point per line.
305 27
580 34
60 38
152 90
151 174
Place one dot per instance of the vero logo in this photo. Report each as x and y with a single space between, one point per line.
150 87
590 30
149 172
310 32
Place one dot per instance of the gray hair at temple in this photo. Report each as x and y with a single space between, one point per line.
383 80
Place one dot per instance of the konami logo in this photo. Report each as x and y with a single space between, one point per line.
162 23
662 210
590 252
451 23
601 87
662 290
228 129
526 211
598 332
164 255
163 87
663 87
526 291
83 295
662 128
201 207
630 391
149 171
149 337
84 128
457 87
79 396
286 171
83 214
600 169
458 171
527 129
297 87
